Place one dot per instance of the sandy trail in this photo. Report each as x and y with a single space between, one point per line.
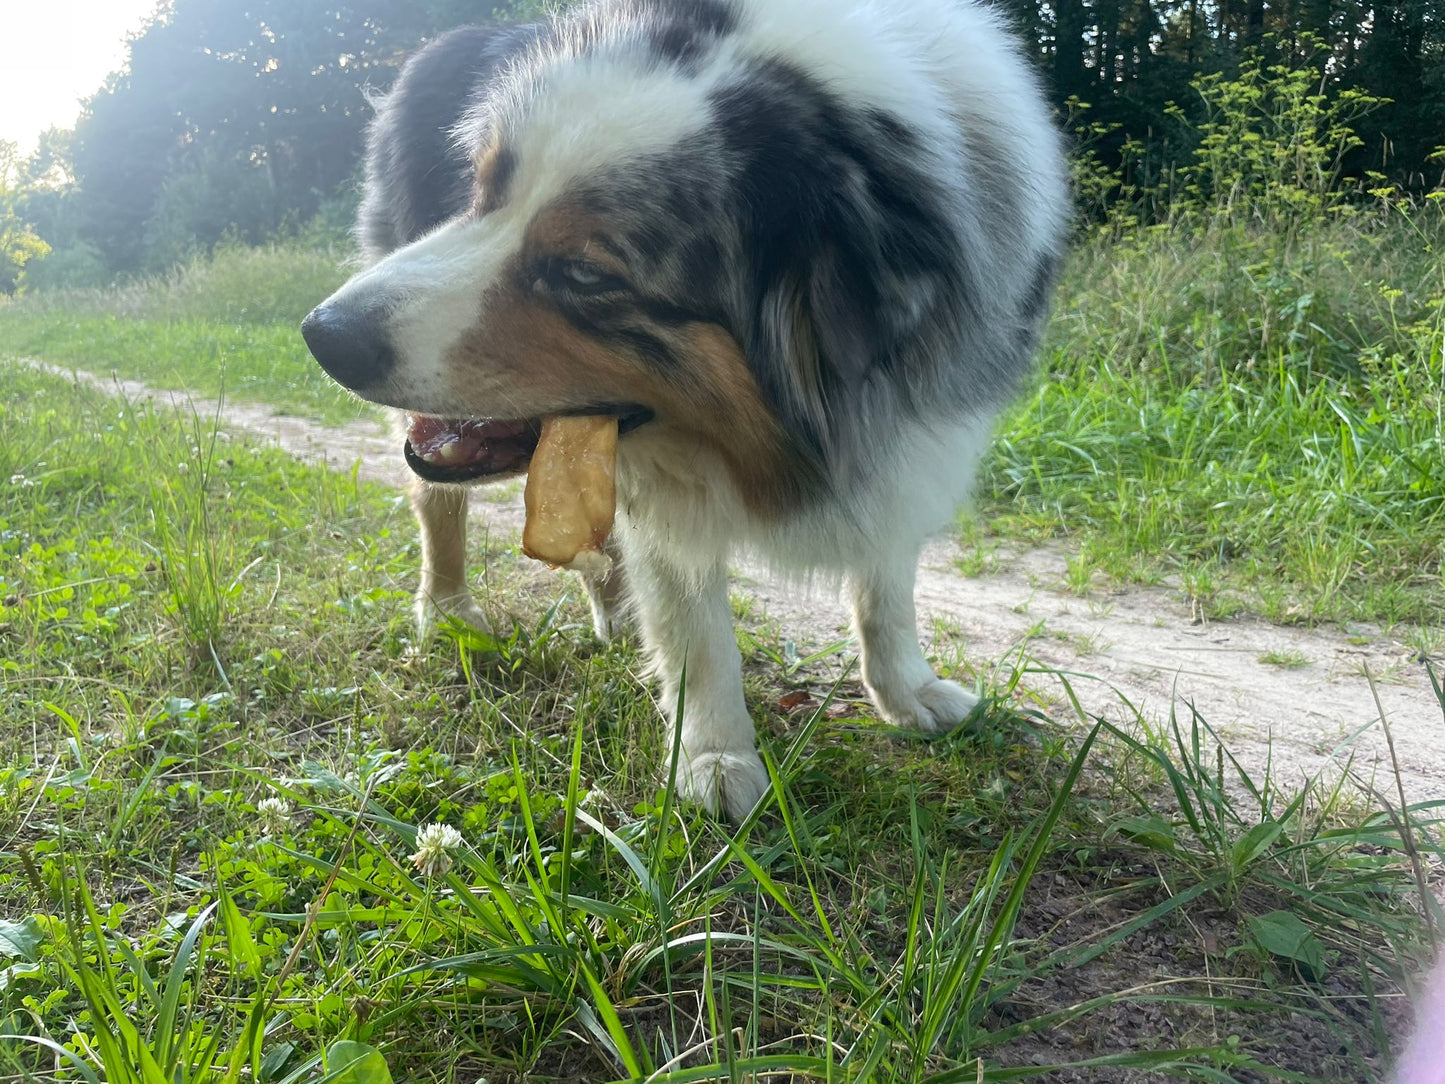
1141 646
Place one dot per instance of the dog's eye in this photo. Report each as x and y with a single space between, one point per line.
578 277
581 273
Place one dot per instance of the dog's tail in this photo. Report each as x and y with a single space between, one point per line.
1423 1061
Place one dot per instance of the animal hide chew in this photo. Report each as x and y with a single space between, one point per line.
571 493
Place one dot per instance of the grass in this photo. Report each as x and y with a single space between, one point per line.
219 752
1248 414
225 324
275 284
1255 418
1286 660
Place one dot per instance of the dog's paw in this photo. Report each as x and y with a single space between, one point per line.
434 612
723 782
608 621
608 599
937 706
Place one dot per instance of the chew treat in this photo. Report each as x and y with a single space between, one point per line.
571 494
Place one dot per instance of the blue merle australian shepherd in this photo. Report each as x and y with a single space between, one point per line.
802 249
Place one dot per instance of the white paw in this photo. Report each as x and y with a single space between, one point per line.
608 622
432 612
730 782
607 598
937 706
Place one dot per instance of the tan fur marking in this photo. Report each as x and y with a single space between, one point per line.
495 167
732 413
523 341
803 353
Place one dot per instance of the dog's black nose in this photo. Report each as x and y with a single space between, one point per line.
352 345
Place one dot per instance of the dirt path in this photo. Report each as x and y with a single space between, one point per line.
1140 646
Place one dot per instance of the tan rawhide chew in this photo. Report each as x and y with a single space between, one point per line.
571 493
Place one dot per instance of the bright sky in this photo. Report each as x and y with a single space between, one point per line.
53 53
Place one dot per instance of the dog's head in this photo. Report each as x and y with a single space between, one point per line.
665 227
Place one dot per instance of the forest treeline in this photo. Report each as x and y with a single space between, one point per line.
246 120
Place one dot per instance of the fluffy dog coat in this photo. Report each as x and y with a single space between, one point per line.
802 248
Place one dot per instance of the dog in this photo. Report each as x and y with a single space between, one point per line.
802 250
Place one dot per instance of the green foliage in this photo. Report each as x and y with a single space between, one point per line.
1282 934
1244 373
264 286
349 1062
1267 148
165 988
199 560
213 197
1271 145
19 940
187 526
226 323
19 244
76 265
268 364
242 122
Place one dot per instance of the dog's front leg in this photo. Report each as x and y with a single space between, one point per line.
608 595
903 686
687 622
441 513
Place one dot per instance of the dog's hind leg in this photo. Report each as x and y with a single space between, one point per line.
607 596
441 513
902 684
687 624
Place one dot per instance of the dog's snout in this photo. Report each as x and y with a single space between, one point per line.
352 345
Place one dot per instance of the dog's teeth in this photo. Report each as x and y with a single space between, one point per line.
446 453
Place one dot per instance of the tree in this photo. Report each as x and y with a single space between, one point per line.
221 102
1403 59
19 243
237 119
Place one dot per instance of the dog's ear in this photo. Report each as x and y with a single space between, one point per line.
813 345
835 318
843 305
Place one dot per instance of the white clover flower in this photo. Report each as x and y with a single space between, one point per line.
275 814
21 481
432 844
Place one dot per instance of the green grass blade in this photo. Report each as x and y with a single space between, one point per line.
70 1057
174 984
1042 833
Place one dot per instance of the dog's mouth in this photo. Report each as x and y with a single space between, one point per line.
453 451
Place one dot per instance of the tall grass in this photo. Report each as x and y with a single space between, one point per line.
236 284
1243 381
1268 422
223 322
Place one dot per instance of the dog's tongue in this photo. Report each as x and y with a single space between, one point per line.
494 445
